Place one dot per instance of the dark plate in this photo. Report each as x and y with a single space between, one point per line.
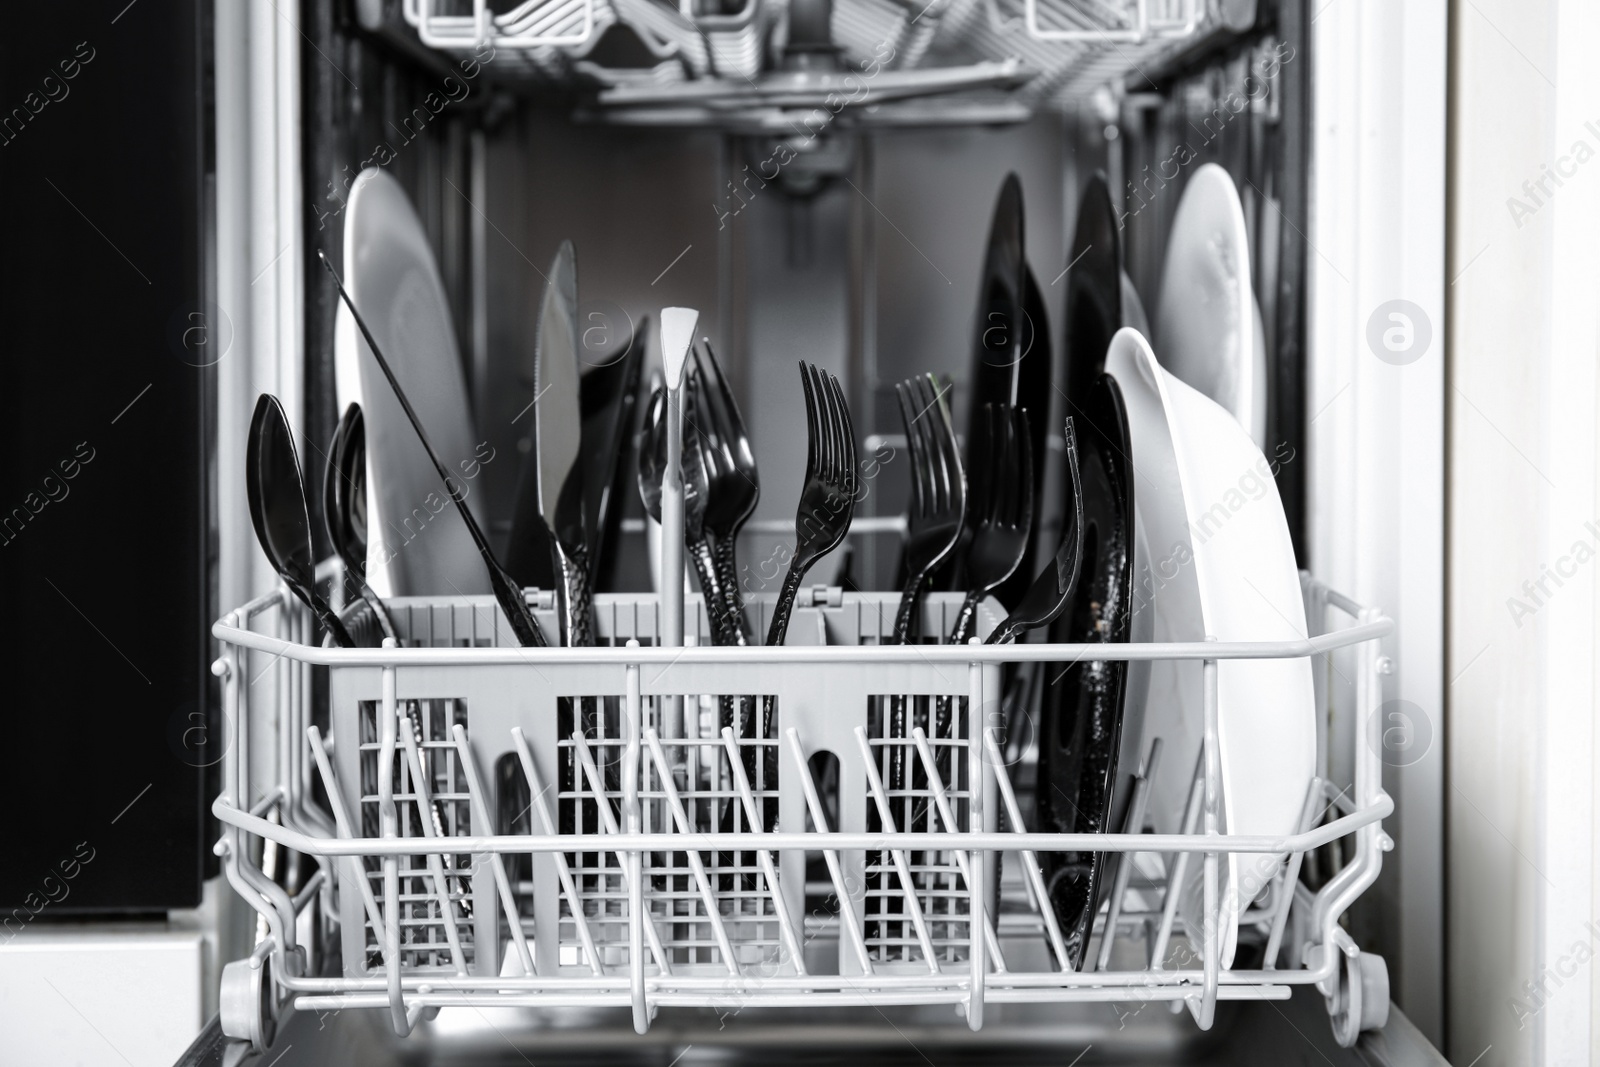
1082 722
1002 342
1094 290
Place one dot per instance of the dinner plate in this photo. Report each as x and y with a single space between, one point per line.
1215 558
417 544
1207 329
1086 743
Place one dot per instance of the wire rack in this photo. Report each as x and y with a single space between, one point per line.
637 827
1070 47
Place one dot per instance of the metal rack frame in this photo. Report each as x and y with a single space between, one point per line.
981 972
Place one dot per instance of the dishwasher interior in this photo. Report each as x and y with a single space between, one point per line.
819 181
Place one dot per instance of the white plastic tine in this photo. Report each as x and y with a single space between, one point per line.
341 820
830 856
902 867
563 869
1133 824
941 803
424 803
681 817
1291 878
741 782
608 822
1030 859
480 815
1178 869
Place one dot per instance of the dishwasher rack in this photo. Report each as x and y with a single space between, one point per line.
483 824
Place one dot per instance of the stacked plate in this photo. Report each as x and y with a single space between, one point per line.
1212 559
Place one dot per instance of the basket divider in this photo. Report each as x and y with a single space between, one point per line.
830 856
569 888
681 820
941 804
497 867
741 782
908 888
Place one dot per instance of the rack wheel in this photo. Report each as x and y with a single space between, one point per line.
245 1003
1362 1002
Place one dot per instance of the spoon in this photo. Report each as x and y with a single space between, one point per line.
278 511
506 592
344 509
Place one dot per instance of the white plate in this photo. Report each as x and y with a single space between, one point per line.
417 544
1207 327
1213 557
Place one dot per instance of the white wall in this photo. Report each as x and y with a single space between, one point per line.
1525 270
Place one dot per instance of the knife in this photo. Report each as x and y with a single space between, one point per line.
557 442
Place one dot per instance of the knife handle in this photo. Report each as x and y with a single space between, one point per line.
728 572
724 628
577 603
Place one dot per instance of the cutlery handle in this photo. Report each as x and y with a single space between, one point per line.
515 606
724 551
381 610
906 614
724 630
330 620
577 603
785 605
966 618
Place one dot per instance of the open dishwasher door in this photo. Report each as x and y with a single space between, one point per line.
1262 1034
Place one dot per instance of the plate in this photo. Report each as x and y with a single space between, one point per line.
1213 556
1086 744
1207 326
418 544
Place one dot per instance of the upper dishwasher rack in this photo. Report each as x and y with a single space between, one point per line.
889 50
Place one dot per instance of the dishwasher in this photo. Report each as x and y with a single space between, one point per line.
529 288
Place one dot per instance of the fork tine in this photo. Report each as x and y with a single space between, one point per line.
1005 427
932 427
847 441
825 452
921 477
957 482
813 426
830 389
989 468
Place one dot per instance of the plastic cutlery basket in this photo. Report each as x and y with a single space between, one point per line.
481 824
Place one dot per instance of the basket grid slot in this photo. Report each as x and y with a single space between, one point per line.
424 944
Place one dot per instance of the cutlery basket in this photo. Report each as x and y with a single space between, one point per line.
618 827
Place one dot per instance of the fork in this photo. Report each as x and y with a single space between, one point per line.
1000 518
1001 508
1052 590
732 485
652 466
828 497
938 504
827 505
938 491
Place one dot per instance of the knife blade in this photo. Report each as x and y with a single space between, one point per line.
558 440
